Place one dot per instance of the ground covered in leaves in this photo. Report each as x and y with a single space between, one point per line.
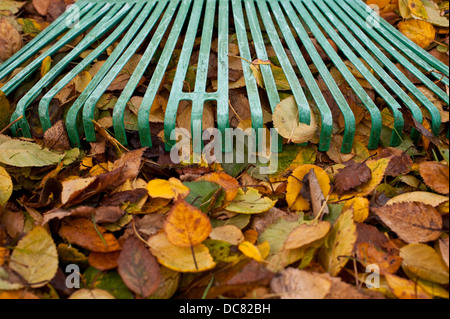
136 225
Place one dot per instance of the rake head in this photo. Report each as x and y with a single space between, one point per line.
299 27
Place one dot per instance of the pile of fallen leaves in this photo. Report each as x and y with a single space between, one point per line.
138 226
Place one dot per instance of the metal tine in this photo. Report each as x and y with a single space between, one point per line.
325 112
386 44
415 110
349 118
101 28
439 65
46 99
435 115
72 115
88 20
42 39
375 114
119 107
250 81
223 119
409 48
158 74
201 78
89 107
393 104
182 67
20 109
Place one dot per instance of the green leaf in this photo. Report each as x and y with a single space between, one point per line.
109 281
25 154
203 194
250 202
5 111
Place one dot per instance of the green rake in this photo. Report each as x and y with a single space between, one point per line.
282 23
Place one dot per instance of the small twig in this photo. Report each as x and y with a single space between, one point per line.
11 124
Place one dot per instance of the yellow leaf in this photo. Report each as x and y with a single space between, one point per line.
180 258
228 233
360 207
294 186
424 197
405 289
35 257
46 65
6 186
306 234
91 294
82 80
418 9
186 225
251 251
286 121
169 189
424 262
101 168
420 32
250 202
339 244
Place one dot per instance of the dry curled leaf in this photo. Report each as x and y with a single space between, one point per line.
414 222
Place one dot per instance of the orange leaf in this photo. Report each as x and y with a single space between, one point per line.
229 184
186 225
82 232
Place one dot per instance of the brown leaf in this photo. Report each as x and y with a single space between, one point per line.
103 261
130 164
312 192
294 283
82 232
138 268
414 222
367 254
436 176
41 6
400 163
56 138
119 198
10 39
351 176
